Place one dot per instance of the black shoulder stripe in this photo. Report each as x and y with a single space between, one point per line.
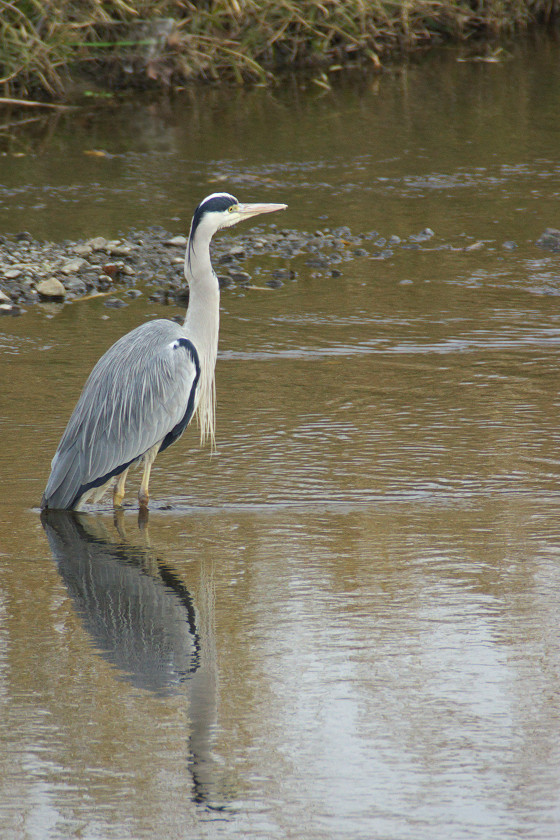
178 430
191 350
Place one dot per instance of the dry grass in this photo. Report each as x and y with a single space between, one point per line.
43 43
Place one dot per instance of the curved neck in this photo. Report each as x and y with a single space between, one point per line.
202 323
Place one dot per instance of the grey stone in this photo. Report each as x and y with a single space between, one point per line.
240 276
176 241
73 266
98 243
550 239
51 288
82 250
119 250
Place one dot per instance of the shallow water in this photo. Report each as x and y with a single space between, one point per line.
345 622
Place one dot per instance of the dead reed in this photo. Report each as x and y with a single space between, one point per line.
43 45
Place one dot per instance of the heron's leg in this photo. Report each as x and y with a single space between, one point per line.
118 490
149 458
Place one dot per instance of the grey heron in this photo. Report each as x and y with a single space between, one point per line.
143 392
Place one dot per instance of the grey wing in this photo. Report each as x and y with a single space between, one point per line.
140 393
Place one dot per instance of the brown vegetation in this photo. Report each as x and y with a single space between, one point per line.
43 45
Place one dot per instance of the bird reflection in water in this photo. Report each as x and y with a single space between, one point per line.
143 621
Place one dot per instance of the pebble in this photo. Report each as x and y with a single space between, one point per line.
317 262
51 288
98 243
12 273
73 266
176 241
76 286
119 250
423 236
283 274
550 239
82 250
104 282
113 270
240 276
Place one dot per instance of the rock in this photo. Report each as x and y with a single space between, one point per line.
6 309
236 251
550 239
4 297
240 276
23 236
75 285
98 243
51 288
317 262
283 274
73 266
119 250
423 236
104 282
115 303
82 250
113 270
510 245
274 283
176 242
12 273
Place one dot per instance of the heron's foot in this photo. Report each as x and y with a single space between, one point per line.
118 489
118 499
143 498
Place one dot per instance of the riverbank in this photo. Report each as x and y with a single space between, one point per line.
115 45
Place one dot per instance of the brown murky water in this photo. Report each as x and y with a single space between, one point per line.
346 626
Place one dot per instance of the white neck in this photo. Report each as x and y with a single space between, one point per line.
201 325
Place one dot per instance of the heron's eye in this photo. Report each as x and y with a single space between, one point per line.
231 208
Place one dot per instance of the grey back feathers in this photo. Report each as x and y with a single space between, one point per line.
146 374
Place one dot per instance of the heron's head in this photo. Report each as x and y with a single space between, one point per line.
221 210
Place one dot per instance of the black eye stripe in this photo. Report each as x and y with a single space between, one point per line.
218 203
